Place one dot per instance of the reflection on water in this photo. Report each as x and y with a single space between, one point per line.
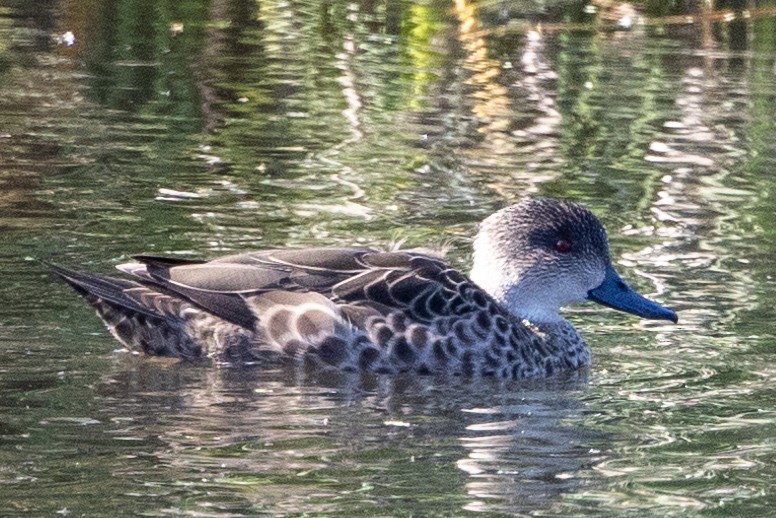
206 127
330 438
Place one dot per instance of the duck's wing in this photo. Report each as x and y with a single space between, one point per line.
414 283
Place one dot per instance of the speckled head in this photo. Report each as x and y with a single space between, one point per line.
542 254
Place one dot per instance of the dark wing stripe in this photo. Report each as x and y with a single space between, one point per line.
166 262
228 306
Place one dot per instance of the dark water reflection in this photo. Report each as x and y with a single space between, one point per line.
200 127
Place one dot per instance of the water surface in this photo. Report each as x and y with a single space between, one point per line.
202 128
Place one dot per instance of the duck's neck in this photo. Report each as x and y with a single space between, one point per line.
526 300
524 295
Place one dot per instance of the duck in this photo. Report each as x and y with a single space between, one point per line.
355 309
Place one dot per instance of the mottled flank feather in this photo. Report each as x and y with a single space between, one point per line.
343 308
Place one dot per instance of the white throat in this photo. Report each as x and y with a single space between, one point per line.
525 299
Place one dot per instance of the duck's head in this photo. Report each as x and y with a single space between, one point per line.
542 254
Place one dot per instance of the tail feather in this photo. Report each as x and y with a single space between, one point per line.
106 288
139 317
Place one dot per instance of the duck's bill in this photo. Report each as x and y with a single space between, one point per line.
615 293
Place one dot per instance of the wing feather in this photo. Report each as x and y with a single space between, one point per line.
410 282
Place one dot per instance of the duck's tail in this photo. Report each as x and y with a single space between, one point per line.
141 318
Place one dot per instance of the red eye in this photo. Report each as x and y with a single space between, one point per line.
563 246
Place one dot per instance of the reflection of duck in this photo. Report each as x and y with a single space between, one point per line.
357 308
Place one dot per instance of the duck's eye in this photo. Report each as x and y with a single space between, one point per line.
563 246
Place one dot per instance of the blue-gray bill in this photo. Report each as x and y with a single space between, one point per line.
616 294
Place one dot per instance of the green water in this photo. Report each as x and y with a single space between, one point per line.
201 128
